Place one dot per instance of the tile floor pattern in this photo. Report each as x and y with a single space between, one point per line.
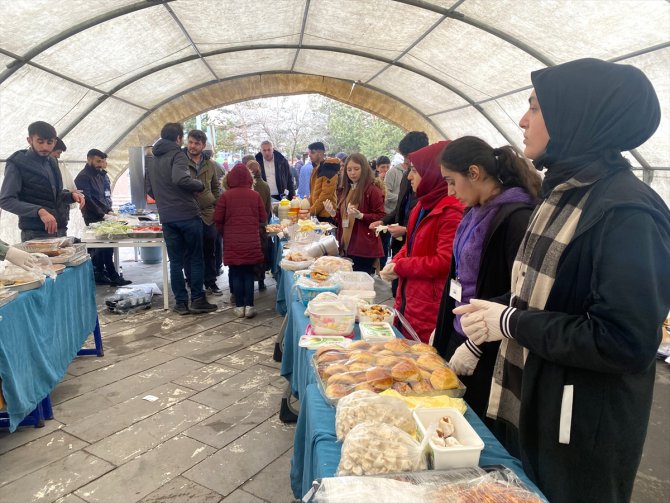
211 435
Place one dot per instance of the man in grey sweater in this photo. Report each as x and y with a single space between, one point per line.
170 183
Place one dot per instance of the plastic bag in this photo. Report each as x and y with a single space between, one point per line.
363 406
371 448
333 264
127 300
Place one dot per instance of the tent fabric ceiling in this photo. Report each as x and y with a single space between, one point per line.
102 71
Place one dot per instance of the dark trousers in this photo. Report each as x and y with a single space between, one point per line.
364 264
242 284
103 262
386 244
184 239
209 237
218 254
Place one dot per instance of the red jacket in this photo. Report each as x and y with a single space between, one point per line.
423 273
364 242
238 215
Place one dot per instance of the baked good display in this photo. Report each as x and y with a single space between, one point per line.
378 366
318 274
297 256
422 348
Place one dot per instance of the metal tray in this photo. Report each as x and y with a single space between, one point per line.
25 286
6 297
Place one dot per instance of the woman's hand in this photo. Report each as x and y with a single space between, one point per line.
397 231
352 210
328 206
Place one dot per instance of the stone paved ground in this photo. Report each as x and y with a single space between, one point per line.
213 434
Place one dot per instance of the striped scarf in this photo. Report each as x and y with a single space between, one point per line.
550 230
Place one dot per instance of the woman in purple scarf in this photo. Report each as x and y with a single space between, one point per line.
500 189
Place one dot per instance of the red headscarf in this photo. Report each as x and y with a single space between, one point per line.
432 188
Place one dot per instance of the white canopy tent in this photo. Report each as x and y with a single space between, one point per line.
109 74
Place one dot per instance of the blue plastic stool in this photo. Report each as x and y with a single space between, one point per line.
97 337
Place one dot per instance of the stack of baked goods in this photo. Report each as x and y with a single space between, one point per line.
296 260
410 368
333 264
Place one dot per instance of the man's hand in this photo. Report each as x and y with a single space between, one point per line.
397 231
78 197
375 224
49 221
328 206
21 258
481 320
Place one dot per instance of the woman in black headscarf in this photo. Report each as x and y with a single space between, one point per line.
589 291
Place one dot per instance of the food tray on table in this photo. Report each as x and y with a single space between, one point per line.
495 484
78 260
58 268
21 286
410 368
146 232
6 296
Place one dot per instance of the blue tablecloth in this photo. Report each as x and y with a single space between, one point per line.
40 333
316 451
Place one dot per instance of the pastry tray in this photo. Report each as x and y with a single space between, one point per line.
6 297
31 285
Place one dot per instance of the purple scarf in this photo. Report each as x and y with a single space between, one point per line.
469 242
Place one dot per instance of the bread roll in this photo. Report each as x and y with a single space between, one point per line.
341 379
359 366
359 345
364 386
379 378
402 387
444 378
422 348
335 368
430 362
337 390
397 346
421 387
331 356
387 360
405 371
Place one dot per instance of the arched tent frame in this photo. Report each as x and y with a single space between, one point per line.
110 74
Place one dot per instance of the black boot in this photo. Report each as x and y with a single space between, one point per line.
200 305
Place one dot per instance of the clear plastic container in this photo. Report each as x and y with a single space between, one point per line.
332 318
463 456
366 295
355 280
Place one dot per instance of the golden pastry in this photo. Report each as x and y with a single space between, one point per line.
444 378
422 348
430 362
402 387
336 368
421 387
359 345
337 390
331 356
341 379
387 360
359 367
361 357
366 386
379 378
397 346
405 371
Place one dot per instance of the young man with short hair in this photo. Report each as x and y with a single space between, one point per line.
33 187
323 181
94 183
170 183
203 168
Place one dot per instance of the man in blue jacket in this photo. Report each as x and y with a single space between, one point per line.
33 187
169 182
96 187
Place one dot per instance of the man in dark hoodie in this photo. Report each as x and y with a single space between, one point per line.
33 187
276 171
170 183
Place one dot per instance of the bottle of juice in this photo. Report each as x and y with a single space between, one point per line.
282 211
304 208
294 209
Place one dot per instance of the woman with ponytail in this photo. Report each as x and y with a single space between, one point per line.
500 189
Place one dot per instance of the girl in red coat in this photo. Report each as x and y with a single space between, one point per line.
422 264
360 203
238 215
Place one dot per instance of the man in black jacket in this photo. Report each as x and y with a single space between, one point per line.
33 187
170 183
276 171
94 183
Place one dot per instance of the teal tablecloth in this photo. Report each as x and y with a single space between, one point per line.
40 333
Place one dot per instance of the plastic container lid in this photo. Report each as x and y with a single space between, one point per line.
355 280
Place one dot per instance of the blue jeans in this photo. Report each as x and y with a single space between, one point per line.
184 238
209 237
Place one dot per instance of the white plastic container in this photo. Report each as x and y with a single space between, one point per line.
444 458
366 295
332 318
376 332
355 280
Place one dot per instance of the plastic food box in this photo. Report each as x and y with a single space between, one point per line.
375 332
463 456
366 295
332 318
376 313
355 280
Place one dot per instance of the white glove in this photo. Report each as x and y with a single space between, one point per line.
481 320
20 258
464 360
352 210
328 206
388 273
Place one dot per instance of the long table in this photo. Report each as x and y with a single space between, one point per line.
41 331
135 243
316 451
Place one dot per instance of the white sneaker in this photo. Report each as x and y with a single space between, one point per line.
239 312
250 311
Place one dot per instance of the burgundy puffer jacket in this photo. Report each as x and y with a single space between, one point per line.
238 215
